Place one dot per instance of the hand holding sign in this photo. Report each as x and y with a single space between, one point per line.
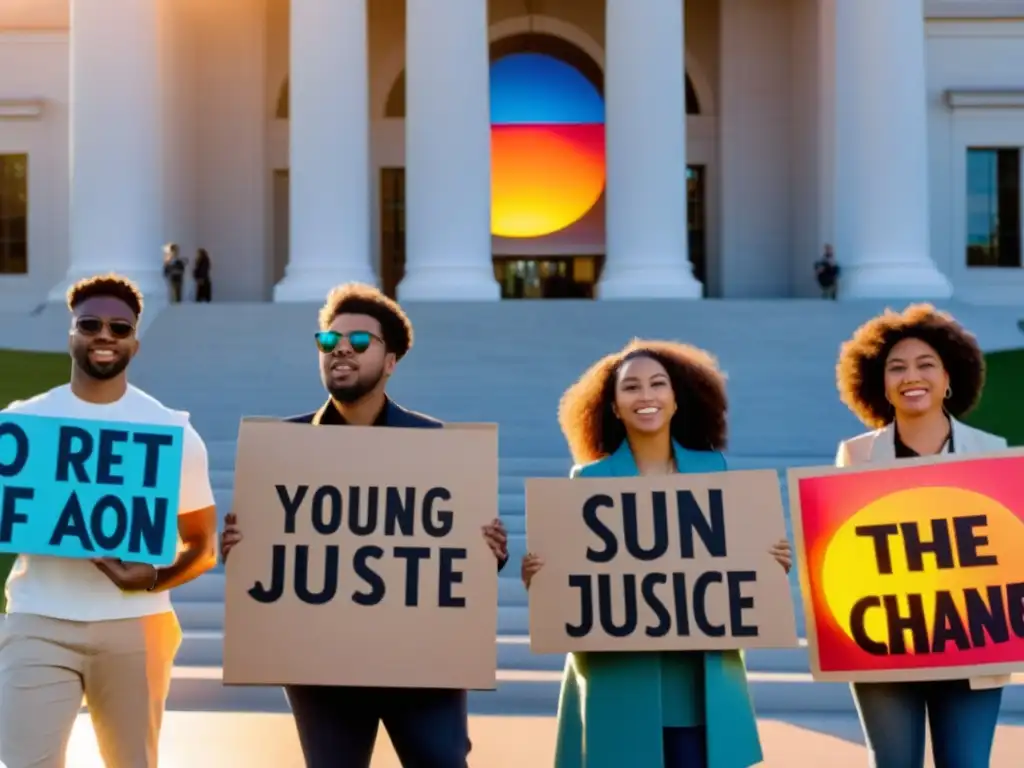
130 577
497 539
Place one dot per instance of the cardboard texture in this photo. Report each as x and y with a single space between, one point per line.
445 639
934 542
738 597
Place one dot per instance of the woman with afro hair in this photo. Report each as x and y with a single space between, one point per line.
909 376
655 408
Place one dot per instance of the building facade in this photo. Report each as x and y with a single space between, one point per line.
486 149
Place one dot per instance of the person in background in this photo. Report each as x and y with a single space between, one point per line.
104 627
655 408
363 336
826 270
909 377
174 272
201 276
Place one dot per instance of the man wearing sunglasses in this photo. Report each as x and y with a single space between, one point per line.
103 628
363 335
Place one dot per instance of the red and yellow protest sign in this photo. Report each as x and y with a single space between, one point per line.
912 571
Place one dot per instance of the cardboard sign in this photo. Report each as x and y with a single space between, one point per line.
912 571
82 489
363 561
673 563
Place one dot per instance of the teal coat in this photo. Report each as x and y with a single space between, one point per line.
612 707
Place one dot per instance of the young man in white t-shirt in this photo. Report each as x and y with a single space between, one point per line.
103 627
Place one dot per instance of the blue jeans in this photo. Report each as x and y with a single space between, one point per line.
962 720
685 748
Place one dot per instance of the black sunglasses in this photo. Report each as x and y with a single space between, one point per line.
91 326
360 341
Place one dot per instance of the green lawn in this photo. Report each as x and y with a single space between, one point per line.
27 374
1001 409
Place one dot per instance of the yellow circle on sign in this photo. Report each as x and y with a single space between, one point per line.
850 571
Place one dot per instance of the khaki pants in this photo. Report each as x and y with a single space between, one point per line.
122 667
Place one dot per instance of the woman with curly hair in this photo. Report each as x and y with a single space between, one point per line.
909 376
655 408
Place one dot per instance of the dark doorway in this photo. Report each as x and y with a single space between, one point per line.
548 277
392 229
695 215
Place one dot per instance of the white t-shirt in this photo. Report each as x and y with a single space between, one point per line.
76 590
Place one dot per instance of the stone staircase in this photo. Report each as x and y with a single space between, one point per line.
509 363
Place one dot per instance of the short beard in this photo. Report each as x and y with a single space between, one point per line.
104 372
354 393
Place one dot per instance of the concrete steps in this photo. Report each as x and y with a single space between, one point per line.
509 363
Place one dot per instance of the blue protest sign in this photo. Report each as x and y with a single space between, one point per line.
82 489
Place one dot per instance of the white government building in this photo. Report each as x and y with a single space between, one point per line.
310 142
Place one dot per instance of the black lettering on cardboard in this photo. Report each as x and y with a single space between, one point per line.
968 540
147 527
738 602
916 547
700 610
986 618
262 594
330 587
290 504
599 529
10 515
898 624
448 577
948 627
399 512
1015 607
631 532
98 516
326 510
71 522
710 528
13 467
151 465
858 626
879 535
582 583
651 599
361 565
412 557
605 613
357 525
107 458
74 447
437 522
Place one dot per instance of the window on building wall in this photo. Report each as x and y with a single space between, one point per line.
13 214
993 207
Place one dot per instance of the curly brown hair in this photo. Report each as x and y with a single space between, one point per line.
109 285
591 427
860 372
362 299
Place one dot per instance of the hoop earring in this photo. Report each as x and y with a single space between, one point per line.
949 392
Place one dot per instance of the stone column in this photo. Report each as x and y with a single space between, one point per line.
881 153
645 123
447 153
329 148
116 145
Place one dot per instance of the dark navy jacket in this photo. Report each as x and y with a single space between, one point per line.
391 415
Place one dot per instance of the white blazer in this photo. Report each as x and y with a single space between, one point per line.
879 446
